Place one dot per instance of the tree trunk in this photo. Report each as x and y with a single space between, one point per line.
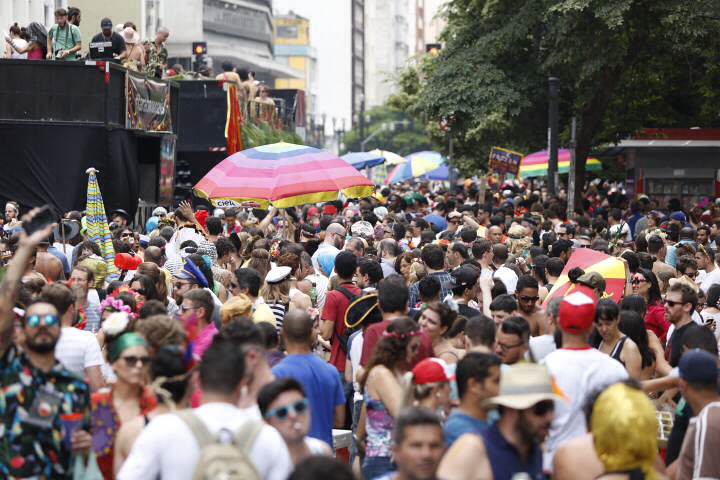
590 122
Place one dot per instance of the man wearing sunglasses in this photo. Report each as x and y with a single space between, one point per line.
680 302
45 406
511 447
526 293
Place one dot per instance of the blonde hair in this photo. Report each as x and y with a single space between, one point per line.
237 306
276 292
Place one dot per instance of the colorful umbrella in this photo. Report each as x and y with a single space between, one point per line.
98 230
363 160
415 165
390 157
442 173
283 175
536 164
611 268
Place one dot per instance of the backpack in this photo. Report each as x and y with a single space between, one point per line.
223 461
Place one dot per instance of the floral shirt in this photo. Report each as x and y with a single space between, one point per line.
34 405
157 57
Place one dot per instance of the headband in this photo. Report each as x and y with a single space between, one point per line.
11 205
122 343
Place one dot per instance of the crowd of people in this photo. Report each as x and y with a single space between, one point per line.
240 343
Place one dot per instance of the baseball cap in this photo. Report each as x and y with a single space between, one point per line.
592 280
430 370
464 276
678 217
454 214
699 366
523 385
577 311
106 23
312 212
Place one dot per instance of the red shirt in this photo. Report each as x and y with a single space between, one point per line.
373 334
655 321
334 311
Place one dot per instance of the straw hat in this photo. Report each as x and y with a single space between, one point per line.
523 385
130 36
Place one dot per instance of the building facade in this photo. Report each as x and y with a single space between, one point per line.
389 24
292 47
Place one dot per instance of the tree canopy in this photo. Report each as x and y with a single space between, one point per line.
623 65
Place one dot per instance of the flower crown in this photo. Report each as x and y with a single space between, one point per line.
116 305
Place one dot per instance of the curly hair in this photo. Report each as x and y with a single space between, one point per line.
391 350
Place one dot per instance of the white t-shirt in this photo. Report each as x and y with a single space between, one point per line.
321 288
317 447
577 374
625 234
508 277
709 279
167 449
77 350
540 346
355 353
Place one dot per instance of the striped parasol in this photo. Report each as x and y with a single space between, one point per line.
415 165
98 230
536 164
283 175
611 268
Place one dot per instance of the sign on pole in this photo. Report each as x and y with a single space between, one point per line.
504 161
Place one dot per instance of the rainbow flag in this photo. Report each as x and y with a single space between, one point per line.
536 164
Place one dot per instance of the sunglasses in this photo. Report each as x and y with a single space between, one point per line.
671 303
525 299
543 408
282 413
691 274
126 235
132 360
141 291
33 321
638 281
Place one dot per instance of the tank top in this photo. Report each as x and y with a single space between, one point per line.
618 350
379 426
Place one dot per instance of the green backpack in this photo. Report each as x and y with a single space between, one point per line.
219 460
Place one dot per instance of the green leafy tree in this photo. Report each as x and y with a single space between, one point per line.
395 130
623 65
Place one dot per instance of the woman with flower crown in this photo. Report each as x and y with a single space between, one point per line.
127 354
383 393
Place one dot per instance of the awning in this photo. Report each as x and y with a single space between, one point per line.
660 143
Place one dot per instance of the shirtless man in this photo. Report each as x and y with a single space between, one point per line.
527 297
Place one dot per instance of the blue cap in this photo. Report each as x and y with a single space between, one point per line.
699 366
678 217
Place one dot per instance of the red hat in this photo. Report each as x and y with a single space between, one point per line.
577 311
329 210
312 212
201 216
430 370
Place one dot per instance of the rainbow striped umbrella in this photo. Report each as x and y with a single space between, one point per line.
536 164
415 165
363 160
283 175
98 230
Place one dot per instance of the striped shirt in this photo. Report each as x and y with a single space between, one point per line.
77 350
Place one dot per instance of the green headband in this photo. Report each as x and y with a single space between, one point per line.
122 343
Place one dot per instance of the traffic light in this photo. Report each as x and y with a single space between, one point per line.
433 49
199 48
